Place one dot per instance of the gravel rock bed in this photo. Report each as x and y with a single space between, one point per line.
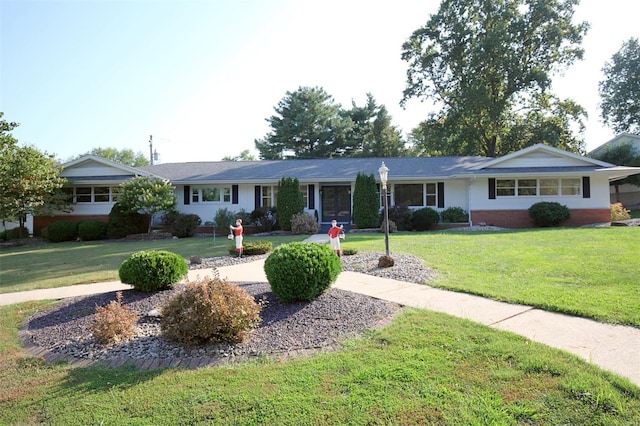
285 328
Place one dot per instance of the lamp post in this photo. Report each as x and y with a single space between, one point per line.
384 174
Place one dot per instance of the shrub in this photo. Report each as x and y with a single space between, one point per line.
151 270
210 310
304 223
454 215
618 212
349 251
401 215
424 219
265 219
366 201
223 218
17 233
114 322
545 213
122 223
64 230
169 217
4 235
301 271
252 248
91 230
184 225
289 201
392 227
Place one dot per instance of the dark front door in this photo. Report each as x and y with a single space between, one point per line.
336 204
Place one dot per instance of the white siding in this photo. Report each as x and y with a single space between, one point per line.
541 159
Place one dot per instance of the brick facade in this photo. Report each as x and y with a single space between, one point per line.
41 222
521 219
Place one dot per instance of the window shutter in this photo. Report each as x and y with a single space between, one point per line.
234 194
258 196
187 195
586 187
492 188
441 195
312 196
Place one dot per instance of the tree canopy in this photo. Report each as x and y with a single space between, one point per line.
243 156
621 155
620 90
123 156
147 195
488 65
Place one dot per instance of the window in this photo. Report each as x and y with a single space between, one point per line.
269 196
571 186
305 194
211 194
101 194
431 194
541 187
195 195
527 187
505 187
409 194
83 195
97 194
549 186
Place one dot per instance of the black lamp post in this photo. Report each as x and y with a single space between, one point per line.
384 174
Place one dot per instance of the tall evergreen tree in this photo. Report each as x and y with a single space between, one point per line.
289 201
366 202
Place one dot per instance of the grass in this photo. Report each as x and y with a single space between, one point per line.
425 368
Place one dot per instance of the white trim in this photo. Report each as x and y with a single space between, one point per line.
540 147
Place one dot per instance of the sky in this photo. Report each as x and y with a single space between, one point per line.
203 76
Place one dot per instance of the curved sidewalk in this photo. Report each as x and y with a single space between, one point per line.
612 347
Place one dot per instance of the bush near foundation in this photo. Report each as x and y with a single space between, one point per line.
63 230
152 270
547 214
618 212
301 271
92 230
424 219
210 310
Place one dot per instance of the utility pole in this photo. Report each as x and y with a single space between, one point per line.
151 149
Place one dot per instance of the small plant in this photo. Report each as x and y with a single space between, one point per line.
304 223
91 230
16 233
349 251
223 218
184 225
152 270
424 219
401 215
392 226
265 219
546 214
454 215
210 310
618 212
252 248
114 322
63 230
301 271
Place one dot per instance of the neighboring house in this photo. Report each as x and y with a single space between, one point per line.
629 194
494 191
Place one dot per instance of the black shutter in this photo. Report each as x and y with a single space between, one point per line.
187 195
312 196
258 196
234 194
441 195
586 187
492 188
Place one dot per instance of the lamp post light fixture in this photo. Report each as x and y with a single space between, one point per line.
384 175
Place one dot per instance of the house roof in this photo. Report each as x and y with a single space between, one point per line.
622 138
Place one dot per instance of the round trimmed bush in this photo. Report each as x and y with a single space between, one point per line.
301 271
454 215
63 230
546 213
91 230
252 248
152 270
210 310
424 219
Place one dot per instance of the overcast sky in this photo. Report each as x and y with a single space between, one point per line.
202 76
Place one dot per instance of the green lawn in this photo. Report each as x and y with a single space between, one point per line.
424 368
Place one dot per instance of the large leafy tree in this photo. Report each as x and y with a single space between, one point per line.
30 181
147 195
483 62
245 155
620 90
123 156
621 155
307 124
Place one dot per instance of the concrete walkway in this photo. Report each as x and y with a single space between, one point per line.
611 347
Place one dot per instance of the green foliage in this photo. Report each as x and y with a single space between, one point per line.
265 219
63 230
184 225
123 156
308 124
301 271
392 227
289 201
114 323
210 310
90 230
545 213
348 251
618 212
622 154
620 90
454 215
224 218
122 222
366 202
252 248
152 270
147 195
304 223
16 233
424 219
400 215
169 217
511 48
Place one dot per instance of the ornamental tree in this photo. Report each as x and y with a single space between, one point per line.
147 195
289 201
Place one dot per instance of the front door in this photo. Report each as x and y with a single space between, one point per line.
336 203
